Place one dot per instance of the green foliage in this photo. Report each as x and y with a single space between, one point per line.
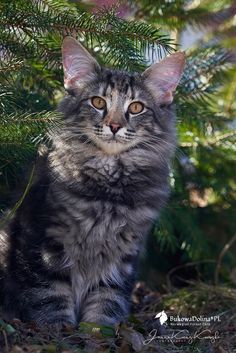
176 15
199 218
31 33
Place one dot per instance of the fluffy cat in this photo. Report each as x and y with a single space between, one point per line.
74 243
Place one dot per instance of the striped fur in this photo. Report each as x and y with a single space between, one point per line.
74 243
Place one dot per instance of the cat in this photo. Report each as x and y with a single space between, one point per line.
73 245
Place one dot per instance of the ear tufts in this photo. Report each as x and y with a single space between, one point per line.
79 66
162 78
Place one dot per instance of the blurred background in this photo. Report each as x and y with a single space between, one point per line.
195 238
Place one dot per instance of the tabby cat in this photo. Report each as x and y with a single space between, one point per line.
72 248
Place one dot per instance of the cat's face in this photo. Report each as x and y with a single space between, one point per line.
117 110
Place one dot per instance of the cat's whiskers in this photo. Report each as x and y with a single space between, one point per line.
131 135
154 139
153 148
179 153
156 151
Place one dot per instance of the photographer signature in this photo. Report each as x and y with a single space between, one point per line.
183 335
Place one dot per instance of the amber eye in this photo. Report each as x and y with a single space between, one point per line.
98 102
136 107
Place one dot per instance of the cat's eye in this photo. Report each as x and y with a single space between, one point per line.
98 102
136 108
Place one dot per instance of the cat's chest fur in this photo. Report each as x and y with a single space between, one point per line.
93 175
96 225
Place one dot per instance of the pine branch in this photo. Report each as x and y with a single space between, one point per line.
28 120
200 68
211 141
178 14
31 23
20 135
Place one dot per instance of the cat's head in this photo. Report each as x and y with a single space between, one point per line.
115 110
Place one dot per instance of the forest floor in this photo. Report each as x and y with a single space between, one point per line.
209 310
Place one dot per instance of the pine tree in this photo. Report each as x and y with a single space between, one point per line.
199 218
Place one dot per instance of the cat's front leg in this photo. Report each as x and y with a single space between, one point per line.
45 305
109 303
105 306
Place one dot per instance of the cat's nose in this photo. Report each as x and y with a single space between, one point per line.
114 127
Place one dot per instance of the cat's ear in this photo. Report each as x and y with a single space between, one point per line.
79 66
162 78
